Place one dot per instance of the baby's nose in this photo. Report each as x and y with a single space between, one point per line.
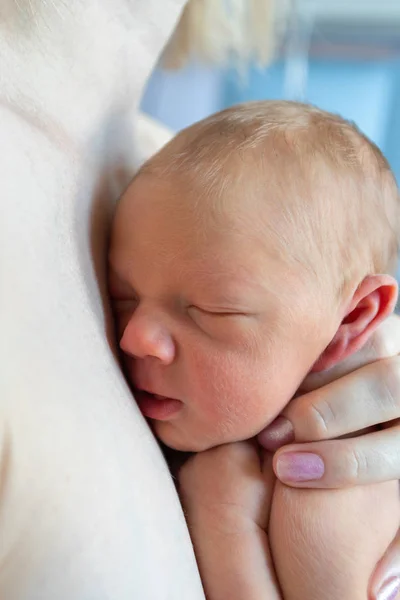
145 336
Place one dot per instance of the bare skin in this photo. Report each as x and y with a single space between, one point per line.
177 346
256 538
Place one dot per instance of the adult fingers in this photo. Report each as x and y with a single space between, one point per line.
363 398
370 458
384 343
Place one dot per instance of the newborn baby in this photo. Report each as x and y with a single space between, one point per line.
256 247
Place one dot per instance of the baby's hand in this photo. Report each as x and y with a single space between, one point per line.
230 484
226 495
352 398
324 545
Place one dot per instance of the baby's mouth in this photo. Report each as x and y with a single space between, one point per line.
156 406
158 397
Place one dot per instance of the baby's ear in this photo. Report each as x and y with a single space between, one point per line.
373 301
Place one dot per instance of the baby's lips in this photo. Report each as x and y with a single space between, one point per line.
279 433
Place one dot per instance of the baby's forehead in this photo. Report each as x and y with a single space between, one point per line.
234 201
225 230
218 247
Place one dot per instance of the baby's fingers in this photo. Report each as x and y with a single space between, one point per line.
370 458
230 484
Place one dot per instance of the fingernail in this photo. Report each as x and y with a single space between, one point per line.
278 434
292 467
389 590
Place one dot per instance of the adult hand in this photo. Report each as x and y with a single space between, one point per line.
360 397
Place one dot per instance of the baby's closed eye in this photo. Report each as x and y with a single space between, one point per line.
217 321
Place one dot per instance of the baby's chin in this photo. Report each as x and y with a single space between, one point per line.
195 442
178 442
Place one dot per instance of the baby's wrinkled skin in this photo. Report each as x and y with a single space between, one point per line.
218 321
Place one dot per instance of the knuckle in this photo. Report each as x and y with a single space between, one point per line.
320 416
356 467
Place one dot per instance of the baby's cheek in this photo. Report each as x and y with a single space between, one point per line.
231 395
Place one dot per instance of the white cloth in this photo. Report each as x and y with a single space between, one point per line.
87 508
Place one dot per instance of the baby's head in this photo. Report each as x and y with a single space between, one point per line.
255 247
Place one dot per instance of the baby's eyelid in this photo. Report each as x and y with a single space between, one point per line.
219 313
